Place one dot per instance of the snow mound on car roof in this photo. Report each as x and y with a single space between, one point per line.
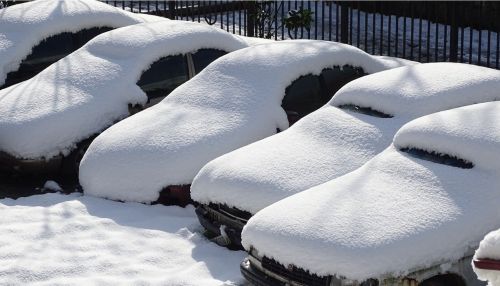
475 137
489 248
331 142
421 89
25 25
393 215
91 88
235 101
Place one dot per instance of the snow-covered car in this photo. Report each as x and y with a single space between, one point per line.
412 215
238 99
486 260
36 34
47 122
357 124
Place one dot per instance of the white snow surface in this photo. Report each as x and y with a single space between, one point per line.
85 92
235 101
365 223
52 185
55 239
489 248
25 25
331 142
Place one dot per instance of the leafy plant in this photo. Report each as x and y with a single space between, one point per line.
298 19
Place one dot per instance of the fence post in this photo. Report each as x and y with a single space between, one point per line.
344 22
453 32
171 10
251 17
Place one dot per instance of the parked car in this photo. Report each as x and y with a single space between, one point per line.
47 122
411 215
35 34
357 124
238 99
486 260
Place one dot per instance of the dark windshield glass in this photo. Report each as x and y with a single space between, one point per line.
163 76
302 97
438 158
51 50
334 78
202 58
364 110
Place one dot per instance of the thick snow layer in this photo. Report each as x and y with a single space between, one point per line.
365 224
52 185
332 142
87 91
55 239
25 25
235 101
489 248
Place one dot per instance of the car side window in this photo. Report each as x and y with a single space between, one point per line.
203 57
164 76
302 97
51 50
332 79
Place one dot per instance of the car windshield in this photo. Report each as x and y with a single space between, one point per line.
203 57
438 158
364 110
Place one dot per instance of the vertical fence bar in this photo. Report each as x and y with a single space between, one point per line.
350 24
330 21
315 14
453 32
404 36
480 35
498 50
276 19
396 41
358 25
429 32
420 38
322 20
337 22
436 40
389 35
488 49
251 13
315 20
373 28
344 22
227 18
412 26
381 28
445 40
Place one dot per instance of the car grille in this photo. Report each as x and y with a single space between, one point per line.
296 274
230 212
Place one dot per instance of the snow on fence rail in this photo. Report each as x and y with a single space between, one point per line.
465 32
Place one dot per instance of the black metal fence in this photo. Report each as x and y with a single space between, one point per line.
424 31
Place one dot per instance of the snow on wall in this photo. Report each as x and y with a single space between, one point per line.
88 90
233 102
489 248
331 142
422 89
25 25
364 224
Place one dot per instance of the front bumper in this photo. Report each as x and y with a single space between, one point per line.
214 217
11 164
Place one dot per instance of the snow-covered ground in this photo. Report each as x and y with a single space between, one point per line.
71 239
